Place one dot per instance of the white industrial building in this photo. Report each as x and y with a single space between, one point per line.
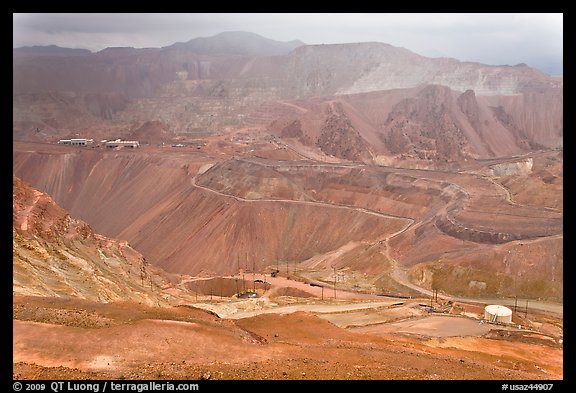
121 143
76 142
497 313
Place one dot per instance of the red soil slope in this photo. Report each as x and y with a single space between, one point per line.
131 341
191 213
57 255
151 201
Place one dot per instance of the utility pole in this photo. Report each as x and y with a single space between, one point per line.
334 282
143 270
526 312
515 303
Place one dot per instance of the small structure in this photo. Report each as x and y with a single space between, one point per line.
121 143
497 313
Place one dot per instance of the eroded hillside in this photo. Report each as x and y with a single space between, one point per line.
55 255
190 212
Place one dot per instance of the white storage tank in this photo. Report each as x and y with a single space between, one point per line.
497 313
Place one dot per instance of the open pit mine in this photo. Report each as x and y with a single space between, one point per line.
349 211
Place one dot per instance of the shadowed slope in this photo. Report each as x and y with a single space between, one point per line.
152 201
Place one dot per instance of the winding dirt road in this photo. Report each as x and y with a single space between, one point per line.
398 273
311 203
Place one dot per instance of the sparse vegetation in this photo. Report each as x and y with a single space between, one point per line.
459 280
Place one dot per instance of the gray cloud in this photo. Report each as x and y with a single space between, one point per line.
535 39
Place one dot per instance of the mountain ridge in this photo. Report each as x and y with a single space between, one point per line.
192 91
50 50
238 43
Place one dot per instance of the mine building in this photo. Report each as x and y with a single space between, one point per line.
121 143
76 142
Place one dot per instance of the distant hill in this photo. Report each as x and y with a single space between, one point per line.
239 43
239 79
50 50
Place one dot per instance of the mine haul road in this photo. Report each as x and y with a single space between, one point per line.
398 273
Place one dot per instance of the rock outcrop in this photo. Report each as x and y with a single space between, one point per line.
56 255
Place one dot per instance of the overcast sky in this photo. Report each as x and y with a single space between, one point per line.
535 39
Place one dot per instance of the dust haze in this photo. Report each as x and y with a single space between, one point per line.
236 205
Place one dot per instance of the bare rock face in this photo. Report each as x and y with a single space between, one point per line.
519 168
424 125
292 130
339 137
430 125
363 67
36 215
469 106
57 255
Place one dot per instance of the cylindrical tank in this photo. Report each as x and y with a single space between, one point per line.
497 313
